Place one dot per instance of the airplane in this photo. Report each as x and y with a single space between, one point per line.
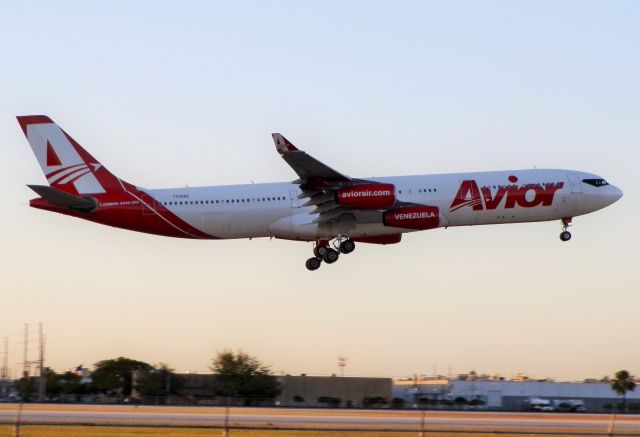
322 206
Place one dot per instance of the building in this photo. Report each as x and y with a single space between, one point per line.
508 395
334 391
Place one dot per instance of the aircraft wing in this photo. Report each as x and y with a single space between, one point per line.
312 172
319 183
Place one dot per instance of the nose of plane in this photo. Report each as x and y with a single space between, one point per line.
617 194
613 194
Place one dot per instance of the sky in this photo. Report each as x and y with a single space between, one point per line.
187 93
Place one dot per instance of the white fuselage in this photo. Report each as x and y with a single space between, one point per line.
275 209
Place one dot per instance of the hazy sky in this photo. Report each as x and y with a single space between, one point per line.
187 93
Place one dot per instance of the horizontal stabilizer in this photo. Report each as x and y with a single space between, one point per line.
62 198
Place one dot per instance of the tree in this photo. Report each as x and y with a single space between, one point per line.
71 384
159 381
52 382
621 383
116 376
25 387
239 375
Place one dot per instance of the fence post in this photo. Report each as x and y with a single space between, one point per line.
225 430
422 423
16 429
612 423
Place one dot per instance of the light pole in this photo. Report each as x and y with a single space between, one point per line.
342 363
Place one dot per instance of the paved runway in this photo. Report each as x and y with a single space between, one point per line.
488 421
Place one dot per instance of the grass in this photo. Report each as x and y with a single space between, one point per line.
93 431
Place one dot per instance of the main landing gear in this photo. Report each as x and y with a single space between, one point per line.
323 251
565 235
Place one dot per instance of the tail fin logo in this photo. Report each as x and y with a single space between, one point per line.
61 163
52 158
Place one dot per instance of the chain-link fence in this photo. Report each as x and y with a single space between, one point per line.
42 420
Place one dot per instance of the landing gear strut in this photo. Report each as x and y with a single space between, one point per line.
323 251
565 235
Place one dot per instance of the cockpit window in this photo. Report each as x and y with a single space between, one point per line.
596 182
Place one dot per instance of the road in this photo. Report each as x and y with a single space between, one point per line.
488 421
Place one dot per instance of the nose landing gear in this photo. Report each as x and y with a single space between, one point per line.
565 235
323 251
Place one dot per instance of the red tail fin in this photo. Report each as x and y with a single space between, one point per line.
67 166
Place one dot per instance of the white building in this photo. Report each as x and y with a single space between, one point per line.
507 395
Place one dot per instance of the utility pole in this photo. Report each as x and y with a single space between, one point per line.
4 373
25 354
41 380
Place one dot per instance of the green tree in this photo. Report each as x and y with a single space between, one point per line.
159 381
52 382
70 384
26 388
116 376
621 383
239 375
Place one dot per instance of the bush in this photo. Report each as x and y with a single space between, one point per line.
329 401
397 403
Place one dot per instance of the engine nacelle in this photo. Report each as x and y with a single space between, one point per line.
413 217
367 196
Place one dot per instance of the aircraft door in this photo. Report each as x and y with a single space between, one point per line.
295 202
575 183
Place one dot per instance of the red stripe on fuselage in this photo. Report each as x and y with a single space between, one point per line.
150 203
125 210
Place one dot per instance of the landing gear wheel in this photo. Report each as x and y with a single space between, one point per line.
565 235
331 256
319 251
313 263
347 246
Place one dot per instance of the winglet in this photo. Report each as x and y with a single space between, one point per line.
283 144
